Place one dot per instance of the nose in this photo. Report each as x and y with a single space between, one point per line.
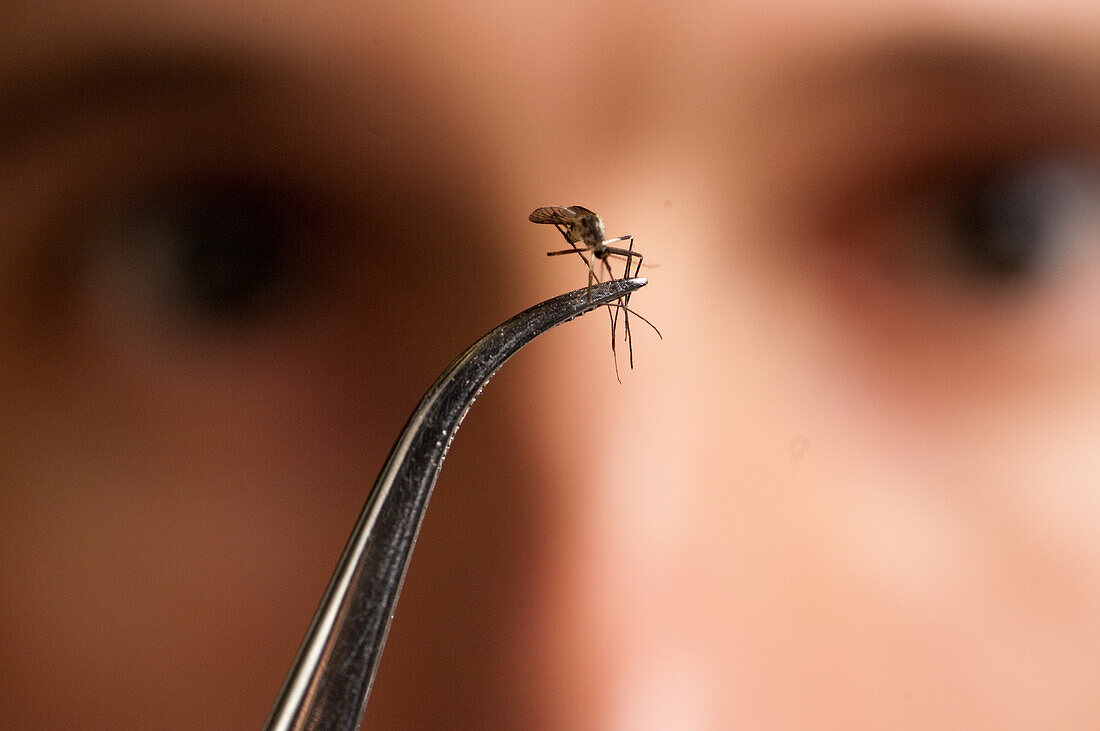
609 620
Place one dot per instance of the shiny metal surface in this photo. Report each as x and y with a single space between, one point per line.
329 683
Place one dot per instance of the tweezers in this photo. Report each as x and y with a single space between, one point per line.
330 680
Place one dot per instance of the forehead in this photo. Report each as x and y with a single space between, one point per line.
532 48
524 80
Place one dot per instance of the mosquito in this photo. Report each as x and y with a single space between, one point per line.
578 225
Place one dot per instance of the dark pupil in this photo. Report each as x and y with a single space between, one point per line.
224 246
1009 224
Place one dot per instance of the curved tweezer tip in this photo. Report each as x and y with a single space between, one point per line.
328 685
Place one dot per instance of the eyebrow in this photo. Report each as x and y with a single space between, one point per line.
59 90
891 96
861 114
1004 73
940 60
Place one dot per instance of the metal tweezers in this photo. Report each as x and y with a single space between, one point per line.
329 683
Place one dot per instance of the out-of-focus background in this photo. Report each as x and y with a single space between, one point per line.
855 486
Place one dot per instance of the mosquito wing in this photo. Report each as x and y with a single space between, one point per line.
553 214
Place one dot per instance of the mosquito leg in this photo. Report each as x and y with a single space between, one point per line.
626 334
626 301
615 318
643 319
629 342
629 255
563 230
614 353
610 274
640 317
626 329
574 250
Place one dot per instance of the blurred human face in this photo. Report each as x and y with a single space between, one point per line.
852 487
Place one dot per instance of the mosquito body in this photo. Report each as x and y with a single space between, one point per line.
581 226
583 230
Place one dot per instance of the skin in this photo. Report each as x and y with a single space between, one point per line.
852 488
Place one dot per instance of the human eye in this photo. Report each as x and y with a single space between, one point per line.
131 187
949 202
209 200
1014 223
978 228
213 251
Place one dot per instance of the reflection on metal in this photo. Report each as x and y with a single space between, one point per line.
331 678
